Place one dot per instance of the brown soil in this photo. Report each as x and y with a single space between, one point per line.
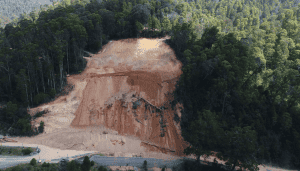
102 100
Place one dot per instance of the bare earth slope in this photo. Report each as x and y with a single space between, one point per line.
114 106
126 71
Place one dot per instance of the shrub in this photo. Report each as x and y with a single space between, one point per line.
4 133
39 114
26 168
73 166
33 162
136 104
101 168
163 169
52 92
46 164
86 165
145 165
14 151
39 98
27 151
41 127
24 125
176 118
17 168
63 164
103 37
92 163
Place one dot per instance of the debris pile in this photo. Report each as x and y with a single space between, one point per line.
5 139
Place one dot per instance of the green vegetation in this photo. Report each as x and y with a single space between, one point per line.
145 166
71 166
157 110
101 168
33 162
75 166
27 151
240 60
40 98
39 114
41 127
15 151
86 165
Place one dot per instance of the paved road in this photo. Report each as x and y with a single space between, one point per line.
52 155
136 162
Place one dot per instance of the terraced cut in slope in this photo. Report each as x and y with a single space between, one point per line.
121 92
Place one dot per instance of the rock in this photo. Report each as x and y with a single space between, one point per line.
114 132
123 140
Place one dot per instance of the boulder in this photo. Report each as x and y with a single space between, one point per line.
123 141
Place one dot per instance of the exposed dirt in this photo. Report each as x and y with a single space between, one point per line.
102 100
114 107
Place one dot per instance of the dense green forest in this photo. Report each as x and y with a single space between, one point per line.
240 81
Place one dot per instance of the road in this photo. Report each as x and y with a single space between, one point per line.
52 155
46 154
136 162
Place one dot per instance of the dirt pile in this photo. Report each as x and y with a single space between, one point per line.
5 139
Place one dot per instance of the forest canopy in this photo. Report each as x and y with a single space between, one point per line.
241 61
